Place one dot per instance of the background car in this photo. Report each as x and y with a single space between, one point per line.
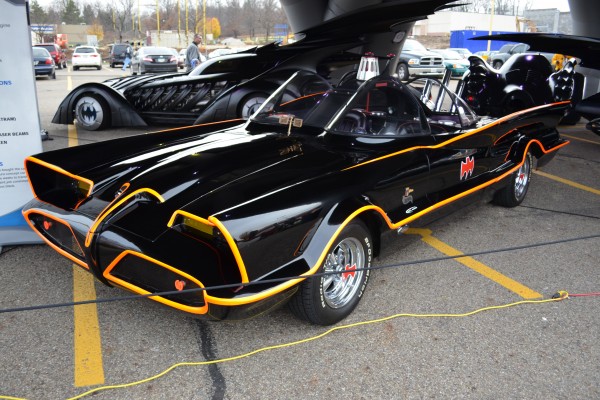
58 54
153 59
86 56
43 64
463 52
453 61
416 60
181 58
118 51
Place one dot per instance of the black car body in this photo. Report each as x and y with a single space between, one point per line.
586 50
43 64
227 220
524 81
232 86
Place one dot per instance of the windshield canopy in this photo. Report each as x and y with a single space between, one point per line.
380 106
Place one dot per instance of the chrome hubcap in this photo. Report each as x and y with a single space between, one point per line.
522 179
88 112
340 288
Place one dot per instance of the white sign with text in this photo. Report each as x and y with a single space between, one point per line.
20 131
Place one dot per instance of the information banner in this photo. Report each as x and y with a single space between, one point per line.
20 131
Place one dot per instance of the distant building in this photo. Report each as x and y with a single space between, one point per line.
551 20
77 34
546 20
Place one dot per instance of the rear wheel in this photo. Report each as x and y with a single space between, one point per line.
327 299
250 104
92 112
513 194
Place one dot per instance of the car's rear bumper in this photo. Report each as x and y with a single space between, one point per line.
44 70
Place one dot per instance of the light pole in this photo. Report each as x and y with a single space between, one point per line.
157 24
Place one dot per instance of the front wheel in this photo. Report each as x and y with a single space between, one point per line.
513 194
403 72
92 112
331 297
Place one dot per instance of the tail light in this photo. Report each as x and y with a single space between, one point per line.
149 59
94 55
48 61
173 59
75 55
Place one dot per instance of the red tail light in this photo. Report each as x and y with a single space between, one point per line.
94 55
149 59
48 61
75 55
173 59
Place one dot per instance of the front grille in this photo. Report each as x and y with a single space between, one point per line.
431 61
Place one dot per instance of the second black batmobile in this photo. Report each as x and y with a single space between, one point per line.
289 206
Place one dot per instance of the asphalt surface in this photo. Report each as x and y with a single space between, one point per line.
537 350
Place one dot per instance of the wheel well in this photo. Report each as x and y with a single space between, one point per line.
374 222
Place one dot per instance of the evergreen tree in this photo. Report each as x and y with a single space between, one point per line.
71 15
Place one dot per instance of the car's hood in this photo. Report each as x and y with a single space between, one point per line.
218 171
585 48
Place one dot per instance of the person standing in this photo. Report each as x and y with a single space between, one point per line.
127 60
192 54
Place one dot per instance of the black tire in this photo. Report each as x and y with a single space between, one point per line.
65 64
571 118
497 64
75 68
99 68
53 76
112 65
92 112
594 126
250 104
514 192
403 73
59 65
327 299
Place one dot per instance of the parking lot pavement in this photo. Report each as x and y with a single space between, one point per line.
426 345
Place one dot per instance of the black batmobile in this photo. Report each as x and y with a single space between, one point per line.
585 49
233 86
288 206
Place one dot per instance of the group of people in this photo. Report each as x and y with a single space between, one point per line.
192 54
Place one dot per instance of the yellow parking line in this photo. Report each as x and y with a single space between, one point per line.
567 182
475 265
88 367
580 139
88 350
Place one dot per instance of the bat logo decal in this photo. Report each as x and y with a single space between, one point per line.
467 167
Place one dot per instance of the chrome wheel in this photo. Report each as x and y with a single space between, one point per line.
341 279
522 179
341 287
91 112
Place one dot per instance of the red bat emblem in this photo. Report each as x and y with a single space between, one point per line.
352 272
467 167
